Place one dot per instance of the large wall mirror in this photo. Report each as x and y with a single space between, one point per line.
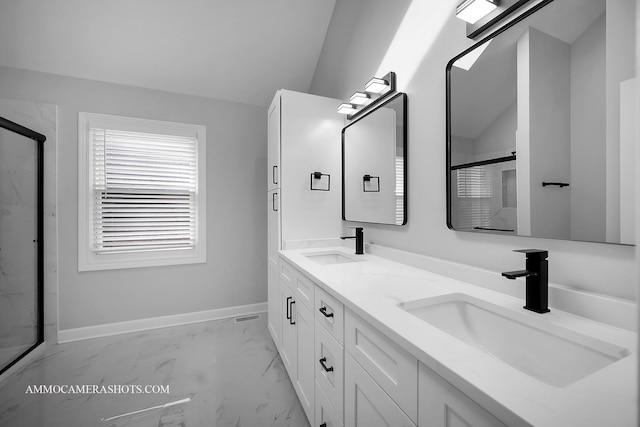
540 126
374 153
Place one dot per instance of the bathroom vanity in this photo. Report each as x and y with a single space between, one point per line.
367 341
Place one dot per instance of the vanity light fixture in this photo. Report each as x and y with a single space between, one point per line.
472 11
376 90
376 85
360 98
346 108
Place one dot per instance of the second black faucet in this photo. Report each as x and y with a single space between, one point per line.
537 276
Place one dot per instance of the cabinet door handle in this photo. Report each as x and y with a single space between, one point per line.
323 425
291 321
323 310
324 366
274 203
288 313
273 174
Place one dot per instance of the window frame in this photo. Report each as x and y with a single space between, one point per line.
88 260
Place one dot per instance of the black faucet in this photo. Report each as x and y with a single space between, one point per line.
537 274
359 240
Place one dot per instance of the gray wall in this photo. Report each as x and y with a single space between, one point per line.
235 273
437 37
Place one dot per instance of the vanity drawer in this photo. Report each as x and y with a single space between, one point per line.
329 313
329 362
287 273
393 368
304 290
302 287
325 413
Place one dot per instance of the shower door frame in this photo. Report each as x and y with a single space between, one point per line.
39 140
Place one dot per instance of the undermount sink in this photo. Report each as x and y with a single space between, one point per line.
540 349
326 258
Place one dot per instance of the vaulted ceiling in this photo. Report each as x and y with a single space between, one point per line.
237 50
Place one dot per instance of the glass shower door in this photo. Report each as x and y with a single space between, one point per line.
19 289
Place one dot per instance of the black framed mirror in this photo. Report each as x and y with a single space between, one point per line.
540 137
374 165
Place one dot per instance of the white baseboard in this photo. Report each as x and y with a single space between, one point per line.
97 331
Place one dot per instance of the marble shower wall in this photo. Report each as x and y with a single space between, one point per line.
18 231
17 197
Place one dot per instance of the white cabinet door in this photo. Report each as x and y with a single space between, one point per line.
388 364
273 281
304 383
274 307
442 405
365 403
273 149
289 332
310 142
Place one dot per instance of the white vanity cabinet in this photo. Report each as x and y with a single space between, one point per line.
442 405
347 373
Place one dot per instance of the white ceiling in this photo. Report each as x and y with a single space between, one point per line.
239 50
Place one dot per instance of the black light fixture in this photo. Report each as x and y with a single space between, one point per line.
375 90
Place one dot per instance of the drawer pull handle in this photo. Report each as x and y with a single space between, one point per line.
323 310
324 366
291 321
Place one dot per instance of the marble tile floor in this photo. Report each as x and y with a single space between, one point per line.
219 373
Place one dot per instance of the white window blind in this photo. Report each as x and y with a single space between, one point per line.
474 197
474 182
399 190
144 191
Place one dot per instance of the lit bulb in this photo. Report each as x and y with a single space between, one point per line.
472 11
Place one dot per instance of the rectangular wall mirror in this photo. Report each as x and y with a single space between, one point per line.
540 126
374 154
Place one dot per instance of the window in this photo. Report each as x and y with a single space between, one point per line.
400 213
475 190
142 196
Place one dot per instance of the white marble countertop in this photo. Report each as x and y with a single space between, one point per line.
373 288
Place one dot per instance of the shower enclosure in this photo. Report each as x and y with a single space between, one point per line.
21 242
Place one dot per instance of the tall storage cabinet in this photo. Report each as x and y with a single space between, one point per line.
273 221
304 137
